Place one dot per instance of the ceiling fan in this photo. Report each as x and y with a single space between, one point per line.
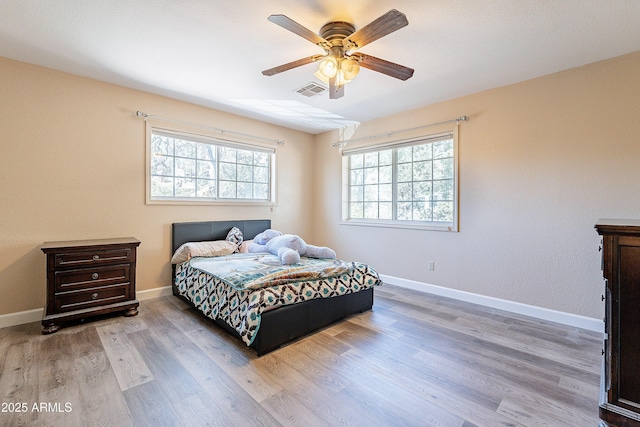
341 64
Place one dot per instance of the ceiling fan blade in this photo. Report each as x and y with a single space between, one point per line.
385 67
291 65
386 24
291 25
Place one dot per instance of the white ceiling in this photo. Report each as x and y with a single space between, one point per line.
212 52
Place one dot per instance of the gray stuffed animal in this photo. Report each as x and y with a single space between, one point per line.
288 247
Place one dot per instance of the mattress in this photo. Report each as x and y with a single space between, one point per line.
238 288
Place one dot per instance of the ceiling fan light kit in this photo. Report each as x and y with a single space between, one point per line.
328 68
343 70
338 39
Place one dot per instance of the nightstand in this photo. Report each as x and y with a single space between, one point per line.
88 278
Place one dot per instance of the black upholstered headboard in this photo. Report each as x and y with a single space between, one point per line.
183 232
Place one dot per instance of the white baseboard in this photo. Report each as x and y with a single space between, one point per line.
154 293
20 318
569 319
35 315
591 324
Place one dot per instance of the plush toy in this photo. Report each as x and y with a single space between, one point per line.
262 238
288 247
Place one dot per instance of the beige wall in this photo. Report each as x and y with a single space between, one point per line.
540 162
73 167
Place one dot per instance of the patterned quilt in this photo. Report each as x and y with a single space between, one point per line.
220 295
253 271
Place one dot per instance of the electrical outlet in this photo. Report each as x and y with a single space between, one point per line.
431 265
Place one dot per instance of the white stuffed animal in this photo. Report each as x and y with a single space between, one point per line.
288 247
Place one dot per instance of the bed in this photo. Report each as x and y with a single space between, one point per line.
301 305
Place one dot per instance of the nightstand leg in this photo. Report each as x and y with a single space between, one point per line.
131 312
49 329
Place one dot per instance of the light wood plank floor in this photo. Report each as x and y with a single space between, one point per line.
415 360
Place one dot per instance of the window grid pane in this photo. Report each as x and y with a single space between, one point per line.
411 183
185 169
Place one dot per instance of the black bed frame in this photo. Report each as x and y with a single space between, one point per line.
283 324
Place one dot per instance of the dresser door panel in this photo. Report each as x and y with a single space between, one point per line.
628 302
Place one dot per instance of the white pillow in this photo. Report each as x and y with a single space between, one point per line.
194 249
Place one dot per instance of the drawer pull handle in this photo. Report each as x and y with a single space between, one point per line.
94 295
94 276
96 257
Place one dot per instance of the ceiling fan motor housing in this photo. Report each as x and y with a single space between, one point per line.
335 32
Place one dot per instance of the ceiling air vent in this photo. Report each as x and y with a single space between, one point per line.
311 89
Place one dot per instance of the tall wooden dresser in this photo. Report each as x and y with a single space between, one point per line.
620 384
88 278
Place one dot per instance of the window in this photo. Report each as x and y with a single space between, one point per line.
403 184
193 168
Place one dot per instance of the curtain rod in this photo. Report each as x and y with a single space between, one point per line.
388 134
146 116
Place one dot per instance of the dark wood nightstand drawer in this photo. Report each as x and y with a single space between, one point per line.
96 257
69 280
90 298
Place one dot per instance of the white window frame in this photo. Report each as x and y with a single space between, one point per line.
201 137
396 223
